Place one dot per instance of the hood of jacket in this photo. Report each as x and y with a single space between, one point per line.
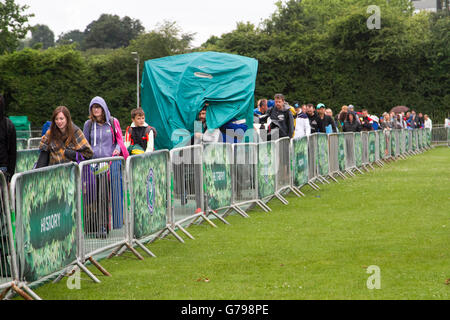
101 102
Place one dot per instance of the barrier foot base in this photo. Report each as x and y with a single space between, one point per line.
263 206
314 186
169 228
215 214
240 212
281 198
151 254
297 191
20 292
99 267
31 292
333 178
86 270
136 254
185 231
343 176
4 293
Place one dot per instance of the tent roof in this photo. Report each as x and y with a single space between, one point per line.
175 88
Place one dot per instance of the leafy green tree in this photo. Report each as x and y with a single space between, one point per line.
42 34
12 25
70 37
110 31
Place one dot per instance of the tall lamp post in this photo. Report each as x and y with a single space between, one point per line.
137 73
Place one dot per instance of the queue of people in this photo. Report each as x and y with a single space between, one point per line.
309 119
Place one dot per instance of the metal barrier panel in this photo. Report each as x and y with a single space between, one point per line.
402 142
414 140
149 186
22 144
312 157
350 161
300 161
218 186
382 144
393 143
105 218
371 143
33 143
266 169
245 172
388 134
47 219
8 265
377 145
397 146
342 152
407 140
283 176
365 147
333 152
358 149
187 171
322 147
428 137
439 136
448 136
26 159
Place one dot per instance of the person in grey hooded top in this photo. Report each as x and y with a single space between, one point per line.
98 130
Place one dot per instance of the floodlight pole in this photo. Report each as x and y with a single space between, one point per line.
137 75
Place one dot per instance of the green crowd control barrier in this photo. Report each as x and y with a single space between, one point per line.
165 189
322 158
371 147
47 219
342 152
266 170
300 162
149 194
26 159
358 149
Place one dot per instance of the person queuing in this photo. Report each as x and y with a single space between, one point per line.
282 120
302 127
325 123
350 123
63 142
103 131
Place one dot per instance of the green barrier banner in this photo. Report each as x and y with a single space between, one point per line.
22 144
46 223
371 147
407 140
26 159
341 151
393 143
402 141
266 169
382 143
217 175
149 179
322 142
358 149
300 161
414 140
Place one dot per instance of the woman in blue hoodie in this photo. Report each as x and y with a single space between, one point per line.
103 131
105 137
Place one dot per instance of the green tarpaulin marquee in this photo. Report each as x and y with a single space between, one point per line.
174 90
23 126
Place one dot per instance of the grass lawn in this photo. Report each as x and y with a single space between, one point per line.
318 247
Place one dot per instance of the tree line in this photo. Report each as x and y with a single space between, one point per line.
311 51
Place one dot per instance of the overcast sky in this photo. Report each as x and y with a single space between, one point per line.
204 17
